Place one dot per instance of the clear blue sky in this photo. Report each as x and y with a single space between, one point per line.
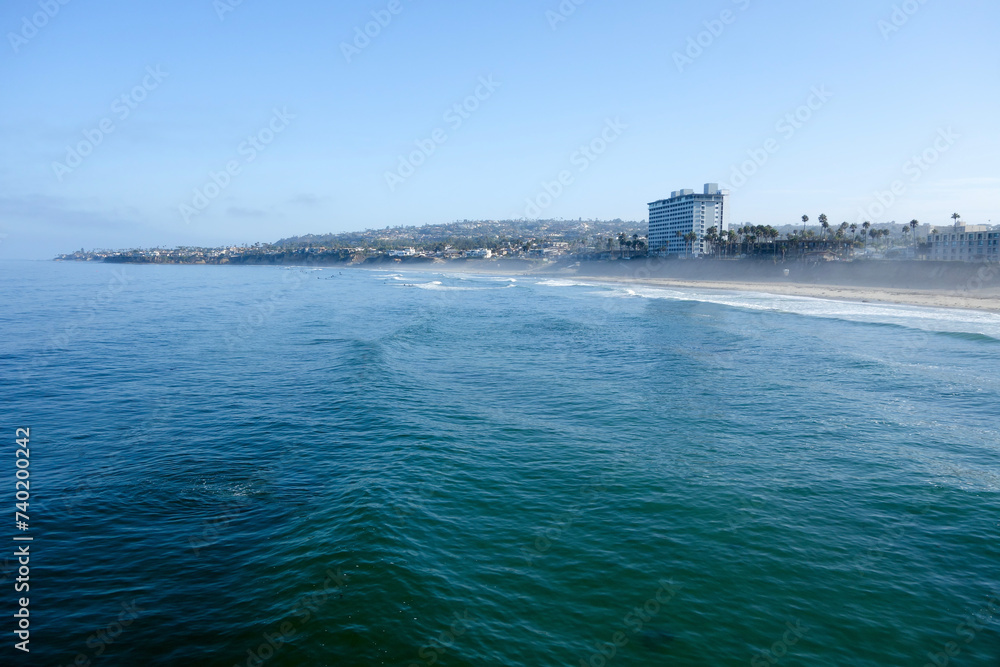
894 94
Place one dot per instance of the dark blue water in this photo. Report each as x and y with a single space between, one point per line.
266 466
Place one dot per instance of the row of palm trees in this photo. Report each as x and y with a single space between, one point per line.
751 236
867 231
634 245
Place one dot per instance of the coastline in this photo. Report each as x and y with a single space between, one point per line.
988 302
985 299
858 282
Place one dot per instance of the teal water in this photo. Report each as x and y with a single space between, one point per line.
429 469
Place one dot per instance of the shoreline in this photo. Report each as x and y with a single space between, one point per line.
983 300
896 296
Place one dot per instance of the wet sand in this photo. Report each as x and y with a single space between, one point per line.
929 284
986 300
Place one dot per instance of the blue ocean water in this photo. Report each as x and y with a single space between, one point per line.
291 466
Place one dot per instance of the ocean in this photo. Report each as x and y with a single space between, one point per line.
264 466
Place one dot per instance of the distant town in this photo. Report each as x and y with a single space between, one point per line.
687 225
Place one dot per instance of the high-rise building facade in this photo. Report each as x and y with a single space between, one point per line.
685 212
966 243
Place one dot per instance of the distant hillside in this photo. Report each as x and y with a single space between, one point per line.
555 230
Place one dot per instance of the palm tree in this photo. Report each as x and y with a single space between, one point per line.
865 227
690 238
956 217
913 229
805 219
824 223
712 236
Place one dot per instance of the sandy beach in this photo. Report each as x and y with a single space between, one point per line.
986 300
929 284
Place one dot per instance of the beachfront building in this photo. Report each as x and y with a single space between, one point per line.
686 212
965 243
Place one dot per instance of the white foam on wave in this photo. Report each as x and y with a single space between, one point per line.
556 282
471 277
439 286
619 293
913 317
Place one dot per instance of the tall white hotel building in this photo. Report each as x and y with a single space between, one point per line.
687 212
